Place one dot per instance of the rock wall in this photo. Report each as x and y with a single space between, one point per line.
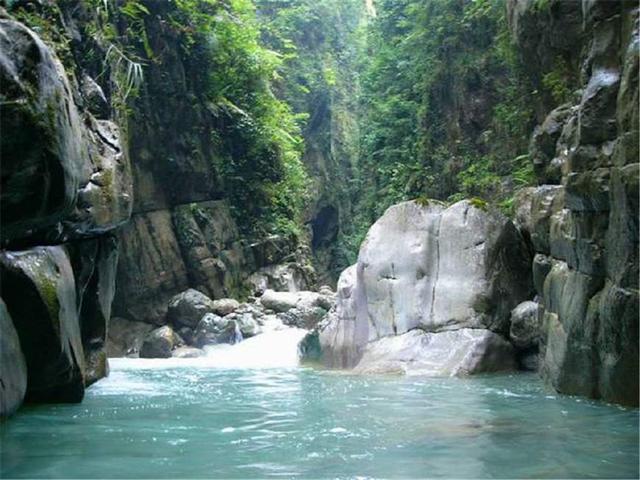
583 217
100 189
183 233
432 293
66 186
321 81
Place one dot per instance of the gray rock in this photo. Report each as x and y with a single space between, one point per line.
309 349
285 301
225 306
598 106
341 339
37 104
427 267
534 209
211 249
541 268
13 368
326 291
526 325
303 317
187 352
39 290
289 277
542 148
151 270
255 309
105 195
75 181
586 234
94 97
279 301
213 329
460 352
159 343
94 263
166 251
188 308
125 337
529 360
187 334
247 324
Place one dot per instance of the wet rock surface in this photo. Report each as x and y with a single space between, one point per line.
584 228
39 290
159 343
13 367
427 268
125 337
66 185
187 308
458 352
213 329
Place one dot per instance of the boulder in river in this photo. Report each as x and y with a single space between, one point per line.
303 316
284 301
247 324
187 352
159 343
188 308
526 327
213 329
225 306
434 269
455 352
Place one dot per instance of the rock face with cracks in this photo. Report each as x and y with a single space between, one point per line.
584 227
428 279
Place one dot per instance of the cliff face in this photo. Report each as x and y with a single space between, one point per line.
583 218
66 186
321 82
183 233
99 189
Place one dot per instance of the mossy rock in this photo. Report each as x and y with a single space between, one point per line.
479 203
38 287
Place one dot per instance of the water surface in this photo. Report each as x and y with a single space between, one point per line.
159 419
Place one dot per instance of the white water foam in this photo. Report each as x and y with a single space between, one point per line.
277 347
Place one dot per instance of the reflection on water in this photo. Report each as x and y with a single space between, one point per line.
198 421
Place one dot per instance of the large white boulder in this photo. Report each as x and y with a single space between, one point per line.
431 268
456 352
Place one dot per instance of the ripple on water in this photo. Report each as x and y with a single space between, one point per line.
198 421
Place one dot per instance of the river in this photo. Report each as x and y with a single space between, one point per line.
249 411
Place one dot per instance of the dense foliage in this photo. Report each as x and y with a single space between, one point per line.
339 106
260 139
319 42
444 106
257 138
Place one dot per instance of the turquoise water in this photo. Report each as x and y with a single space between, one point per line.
156 419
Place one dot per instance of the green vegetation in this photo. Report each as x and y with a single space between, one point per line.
257 135
319 43
327 104
557 81
260 139
444 109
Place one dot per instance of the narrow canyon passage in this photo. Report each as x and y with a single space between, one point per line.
319 238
